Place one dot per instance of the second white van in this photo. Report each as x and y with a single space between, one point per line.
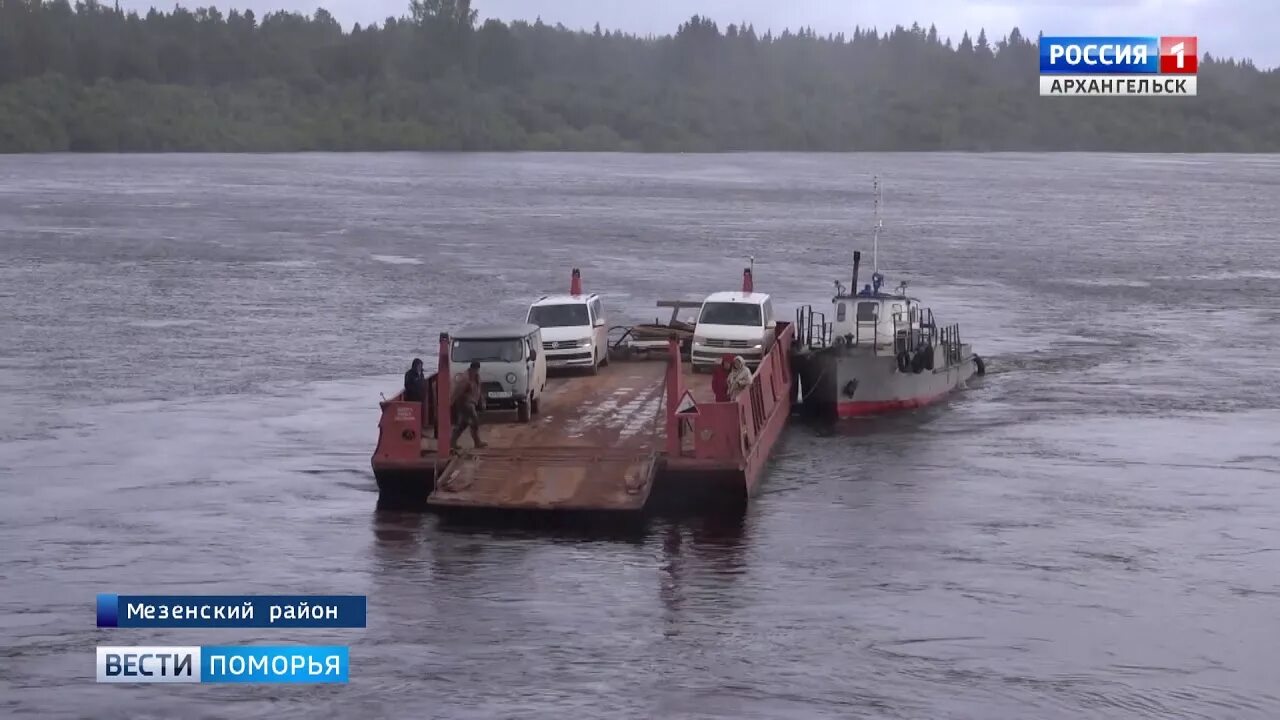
574 333
733 323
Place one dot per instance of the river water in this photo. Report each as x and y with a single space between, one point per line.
192 350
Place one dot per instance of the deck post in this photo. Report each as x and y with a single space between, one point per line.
444 399
674 393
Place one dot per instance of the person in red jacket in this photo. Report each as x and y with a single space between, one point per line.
720 378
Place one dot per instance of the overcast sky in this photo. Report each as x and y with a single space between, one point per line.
1238 28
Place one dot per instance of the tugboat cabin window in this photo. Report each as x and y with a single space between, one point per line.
840 311
466 351
868 311
551 316
731 313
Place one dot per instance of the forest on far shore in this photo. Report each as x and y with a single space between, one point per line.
89 77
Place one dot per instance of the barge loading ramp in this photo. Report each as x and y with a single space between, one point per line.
594 446
607 442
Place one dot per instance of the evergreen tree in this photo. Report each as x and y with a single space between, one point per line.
88 76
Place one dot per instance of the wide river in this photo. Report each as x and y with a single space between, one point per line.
192 350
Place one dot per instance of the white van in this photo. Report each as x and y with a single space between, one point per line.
513 369
574 334
733 323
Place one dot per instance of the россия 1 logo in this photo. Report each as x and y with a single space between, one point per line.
1119 66
1178 55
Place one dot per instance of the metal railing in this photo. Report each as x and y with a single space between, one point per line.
926 335
812 328
949 337
912 332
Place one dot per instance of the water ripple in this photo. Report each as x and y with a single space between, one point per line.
195 346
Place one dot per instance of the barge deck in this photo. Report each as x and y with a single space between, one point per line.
644 433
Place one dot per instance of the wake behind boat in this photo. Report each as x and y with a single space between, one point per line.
881 351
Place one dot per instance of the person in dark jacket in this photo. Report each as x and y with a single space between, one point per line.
720 378
415 383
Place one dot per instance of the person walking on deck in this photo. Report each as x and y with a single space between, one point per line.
720 379
467 404
739 377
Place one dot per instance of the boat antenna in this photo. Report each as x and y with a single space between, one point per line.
875 238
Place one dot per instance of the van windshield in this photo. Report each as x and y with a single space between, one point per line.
551 316
731 313
465 351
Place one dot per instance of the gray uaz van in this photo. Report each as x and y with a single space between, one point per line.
513 370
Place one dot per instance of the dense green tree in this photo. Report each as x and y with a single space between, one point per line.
87 76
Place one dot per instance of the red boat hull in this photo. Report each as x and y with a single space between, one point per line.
880 407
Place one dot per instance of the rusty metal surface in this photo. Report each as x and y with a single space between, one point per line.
565 478
618 407
592 446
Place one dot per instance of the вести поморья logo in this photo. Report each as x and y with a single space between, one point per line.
1119 66
224 663
294 664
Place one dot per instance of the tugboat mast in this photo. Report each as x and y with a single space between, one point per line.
875 238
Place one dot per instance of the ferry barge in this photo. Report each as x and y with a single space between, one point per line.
639 433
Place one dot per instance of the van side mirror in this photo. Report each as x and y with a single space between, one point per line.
598 323
533 355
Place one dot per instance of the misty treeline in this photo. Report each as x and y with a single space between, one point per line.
88 77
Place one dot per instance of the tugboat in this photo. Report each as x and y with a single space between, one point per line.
883 351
